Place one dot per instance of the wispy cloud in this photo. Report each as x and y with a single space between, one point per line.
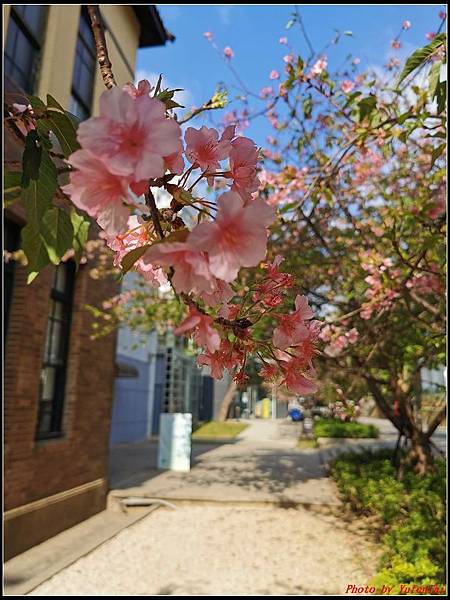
224 12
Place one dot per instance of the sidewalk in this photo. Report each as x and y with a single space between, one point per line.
263 465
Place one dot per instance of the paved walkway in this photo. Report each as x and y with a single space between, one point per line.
213 550
262 466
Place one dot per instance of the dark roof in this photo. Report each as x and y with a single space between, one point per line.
153 32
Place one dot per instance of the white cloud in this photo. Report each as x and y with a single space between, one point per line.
224 12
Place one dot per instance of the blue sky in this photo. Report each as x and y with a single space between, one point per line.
253 33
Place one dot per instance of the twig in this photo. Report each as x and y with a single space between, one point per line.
100 42
150 201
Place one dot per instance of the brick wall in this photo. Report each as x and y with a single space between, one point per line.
37 469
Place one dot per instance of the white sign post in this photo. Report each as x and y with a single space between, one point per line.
174 451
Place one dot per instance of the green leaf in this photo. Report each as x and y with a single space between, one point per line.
158 86
57 233
131 257
37 104
52 103
441 96
437 153
39 193
64 130
80 233
34 249
421 55
31 158
366 106
433 79
11 186
307 107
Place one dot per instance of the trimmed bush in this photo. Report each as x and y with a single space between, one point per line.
339 429
412 511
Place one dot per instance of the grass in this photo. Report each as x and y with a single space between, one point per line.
332 428
218 430
307 443
411 516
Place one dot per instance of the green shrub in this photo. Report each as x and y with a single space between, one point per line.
340 429
413 511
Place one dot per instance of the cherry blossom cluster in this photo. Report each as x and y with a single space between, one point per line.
286 358
196 245
345 410
337 339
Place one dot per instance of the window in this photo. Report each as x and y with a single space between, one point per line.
12 241
53 374
84 69
24 43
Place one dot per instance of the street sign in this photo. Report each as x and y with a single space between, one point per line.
174 451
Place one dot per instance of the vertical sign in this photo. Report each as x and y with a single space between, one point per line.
174 451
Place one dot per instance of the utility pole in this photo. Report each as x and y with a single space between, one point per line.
274 401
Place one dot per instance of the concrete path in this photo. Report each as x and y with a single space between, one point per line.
223 551
28 570
262 466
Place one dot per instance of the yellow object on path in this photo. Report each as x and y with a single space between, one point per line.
266 408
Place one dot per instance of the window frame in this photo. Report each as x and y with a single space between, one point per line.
65 298
37 44
90 48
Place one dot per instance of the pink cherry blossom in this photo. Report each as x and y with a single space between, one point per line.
94 189
395 44
204 333
430 35
228 53
237 238
288 59
347 86
175 161
283 40
274 75
23 117
438 209
137 235
131 135
406 25
208 35
296 380
222 292
269 372
291 329
243 161
266 92
143 89
319 66
191 271
352 335
204 149
213 360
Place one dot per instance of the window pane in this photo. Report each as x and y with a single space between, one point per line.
48 377
23 44
53 373
33 17
84 69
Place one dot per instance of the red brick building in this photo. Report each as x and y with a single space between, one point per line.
58 382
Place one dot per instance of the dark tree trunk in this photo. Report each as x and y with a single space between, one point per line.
227 402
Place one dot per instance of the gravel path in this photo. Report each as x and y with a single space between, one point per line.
219 551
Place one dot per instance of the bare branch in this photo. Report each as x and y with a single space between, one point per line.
100 42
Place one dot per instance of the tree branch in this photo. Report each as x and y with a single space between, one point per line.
100 42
